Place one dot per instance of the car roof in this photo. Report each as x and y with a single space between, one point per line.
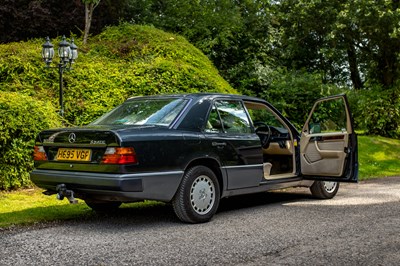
209 96
201 95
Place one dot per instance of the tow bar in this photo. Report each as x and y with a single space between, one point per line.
62 192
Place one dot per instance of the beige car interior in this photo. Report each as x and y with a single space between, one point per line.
278 157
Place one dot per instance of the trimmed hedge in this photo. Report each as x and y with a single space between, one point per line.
130 60
21 119
123 61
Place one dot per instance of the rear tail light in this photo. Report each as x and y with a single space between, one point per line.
119 155
39 154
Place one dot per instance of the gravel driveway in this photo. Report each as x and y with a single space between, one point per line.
360 226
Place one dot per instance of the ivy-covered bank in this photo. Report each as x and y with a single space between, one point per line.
121 62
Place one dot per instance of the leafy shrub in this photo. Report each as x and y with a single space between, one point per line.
21 119
132 60
122 62
375 111
378 111
293 93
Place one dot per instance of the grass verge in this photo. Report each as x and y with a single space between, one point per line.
30 206
378 157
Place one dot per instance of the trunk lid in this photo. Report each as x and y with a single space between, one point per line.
76 137
75 146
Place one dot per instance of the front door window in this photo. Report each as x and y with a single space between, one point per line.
328 117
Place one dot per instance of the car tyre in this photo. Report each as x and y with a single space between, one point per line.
103 206
324 189
198 195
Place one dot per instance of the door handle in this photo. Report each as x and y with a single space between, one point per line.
218 144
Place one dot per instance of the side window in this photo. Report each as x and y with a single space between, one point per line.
229 117
214 124
263 116
328 116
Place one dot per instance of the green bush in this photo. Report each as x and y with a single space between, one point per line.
21 119
129 60
293 93
377 111
121 62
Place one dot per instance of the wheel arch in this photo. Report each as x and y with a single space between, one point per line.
214 165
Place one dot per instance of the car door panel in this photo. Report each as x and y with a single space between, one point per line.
240 156
324 158
328 149
247 170
244 176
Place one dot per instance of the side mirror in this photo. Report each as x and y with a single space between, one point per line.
314 128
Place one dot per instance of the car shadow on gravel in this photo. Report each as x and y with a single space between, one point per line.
164 213
150 215
264 198
158 213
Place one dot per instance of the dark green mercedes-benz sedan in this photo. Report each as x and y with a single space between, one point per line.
192 150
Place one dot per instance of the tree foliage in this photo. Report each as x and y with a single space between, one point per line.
353 41
377 111
236 35
294 93
351 44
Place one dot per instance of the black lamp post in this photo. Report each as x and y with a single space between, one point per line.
68 53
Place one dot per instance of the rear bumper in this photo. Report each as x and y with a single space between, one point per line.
125 187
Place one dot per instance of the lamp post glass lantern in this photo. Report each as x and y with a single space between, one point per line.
74 52
68 53
64 51
47 51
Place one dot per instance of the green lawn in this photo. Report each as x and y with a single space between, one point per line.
378 157
31 206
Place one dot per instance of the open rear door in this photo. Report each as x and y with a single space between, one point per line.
328 145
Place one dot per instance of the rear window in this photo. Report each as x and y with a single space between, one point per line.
159 112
